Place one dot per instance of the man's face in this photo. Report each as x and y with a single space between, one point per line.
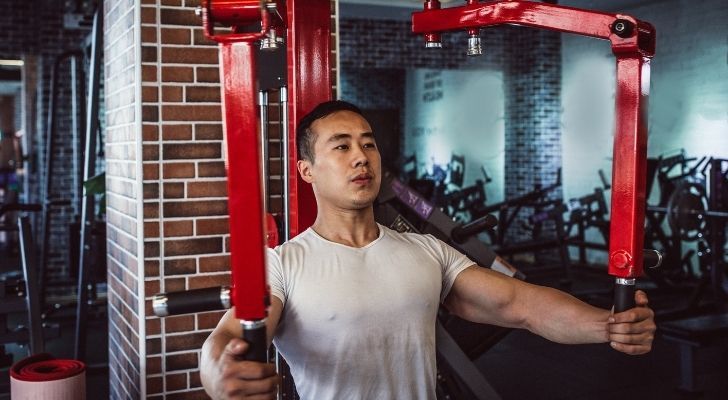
346 172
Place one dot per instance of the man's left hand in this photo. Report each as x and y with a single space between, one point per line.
633 331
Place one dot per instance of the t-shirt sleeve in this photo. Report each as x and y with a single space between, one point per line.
274 270
453 263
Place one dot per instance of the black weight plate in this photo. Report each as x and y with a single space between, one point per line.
686 210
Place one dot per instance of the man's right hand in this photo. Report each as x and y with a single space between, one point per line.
240 379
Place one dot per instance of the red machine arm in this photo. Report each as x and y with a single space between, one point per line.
307 30
633 43
249 292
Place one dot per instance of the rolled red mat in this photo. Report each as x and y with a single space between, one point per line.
43 377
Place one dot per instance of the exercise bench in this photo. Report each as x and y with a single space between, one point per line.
692 334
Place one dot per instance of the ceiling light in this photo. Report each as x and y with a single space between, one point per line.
12 63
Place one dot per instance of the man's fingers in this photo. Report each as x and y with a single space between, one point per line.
633 315
262 386
236 347
631 349
646 325
255 370
640 298
642 338
262 396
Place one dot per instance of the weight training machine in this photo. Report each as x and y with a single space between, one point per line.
704 320
696 211
307 34
584 213
445 190
544 209
670 172
588 212
468 203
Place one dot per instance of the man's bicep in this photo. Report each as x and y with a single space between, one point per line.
274 316
485 296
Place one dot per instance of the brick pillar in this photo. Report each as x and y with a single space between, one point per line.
168 225
124 201
532 82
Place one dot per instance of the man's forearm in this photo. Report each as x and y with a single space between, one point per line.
209 357
562 318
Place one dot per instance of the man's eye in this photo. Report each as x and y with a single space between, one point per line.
341 147
370 145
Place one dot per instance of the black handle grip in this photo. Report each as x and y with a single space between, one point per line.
623 297
258 342
191 301
463 232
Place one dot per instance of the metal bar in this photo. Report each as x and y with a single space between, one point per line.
75 134
687 368
50 142
286 158
705 213
461 365
263 105
32 293
89 170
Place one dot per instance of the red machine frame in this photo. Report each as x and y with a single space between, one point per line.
309 83
633 44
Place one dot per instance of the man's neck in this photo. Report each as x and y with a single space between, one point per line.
355 228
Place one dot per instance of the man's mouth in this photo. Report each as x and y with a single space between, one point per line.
362 178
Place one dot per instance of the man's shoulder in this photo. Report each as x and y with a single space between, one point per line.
298 242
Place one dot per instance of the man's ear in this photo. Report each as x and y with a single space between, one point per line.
304 169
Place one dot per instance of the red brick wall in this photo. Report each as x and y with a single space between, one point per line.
185 193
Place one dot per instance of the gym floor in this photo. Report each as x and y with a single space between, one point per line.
62 346
521 366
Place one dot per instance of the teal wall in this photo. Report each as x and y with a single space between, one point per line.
688 105
461 112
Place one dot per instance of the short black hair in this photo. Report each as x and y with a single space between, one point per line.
305 137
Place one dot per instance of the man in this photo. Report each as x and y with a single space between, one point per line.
354 304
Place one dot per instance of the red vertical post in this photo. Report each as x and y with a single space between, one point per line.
626 231
309 83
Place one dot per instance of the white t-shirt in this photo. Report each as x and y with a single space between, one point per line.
359 323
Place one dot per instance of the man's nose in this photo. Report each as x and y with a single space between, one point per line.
360 157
